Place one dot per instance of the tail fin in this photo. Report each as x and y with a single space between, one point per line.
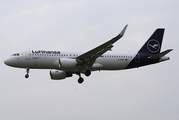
154 43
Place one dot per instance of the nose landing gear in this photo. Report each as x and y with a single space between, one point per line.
27 75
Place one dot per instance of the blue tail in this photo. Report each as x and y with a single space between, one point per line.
153 44
150 48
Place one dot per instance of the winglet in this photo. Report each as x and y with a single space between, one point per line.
123 31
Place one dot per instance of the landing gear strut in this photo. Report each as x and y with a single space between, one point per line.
80 80
27 75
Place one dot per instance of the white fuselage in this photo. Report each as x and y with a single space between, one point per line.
50 60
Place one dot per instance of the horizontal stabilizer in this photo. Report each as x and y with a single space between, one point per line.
159 55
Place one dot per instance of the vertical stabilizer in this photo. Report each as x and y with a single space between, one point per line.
154 43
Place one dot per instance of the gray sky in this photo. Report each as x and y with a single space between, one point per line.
149 92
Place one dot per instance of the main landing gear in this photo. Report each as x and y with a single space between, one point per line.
81 80
88 73
27 75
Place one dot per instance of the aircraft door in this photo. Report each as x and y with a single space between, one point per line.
28 55
137 58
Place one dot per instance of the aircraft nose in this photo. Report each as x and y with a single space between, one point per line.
7 62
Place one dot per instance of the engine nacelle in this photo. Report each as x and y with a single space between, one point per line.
67 62
58 74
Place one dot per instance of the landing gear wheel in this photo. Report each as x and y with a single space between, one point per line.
27 71
88 73
26 76
80 80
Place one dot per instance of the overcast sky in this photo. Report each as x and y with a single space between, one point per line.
147 93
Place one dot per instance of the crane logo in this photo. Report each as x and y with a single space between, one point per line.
153 46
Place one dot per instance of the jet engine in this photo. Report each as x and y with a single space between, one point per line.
58 74
67 63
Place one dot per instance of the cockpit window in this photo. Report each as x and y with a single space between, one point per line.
16 54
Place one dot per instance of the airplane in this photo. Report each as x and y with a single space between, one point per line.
65 64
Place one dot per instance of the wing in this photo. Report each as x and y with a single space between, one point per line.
89 57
